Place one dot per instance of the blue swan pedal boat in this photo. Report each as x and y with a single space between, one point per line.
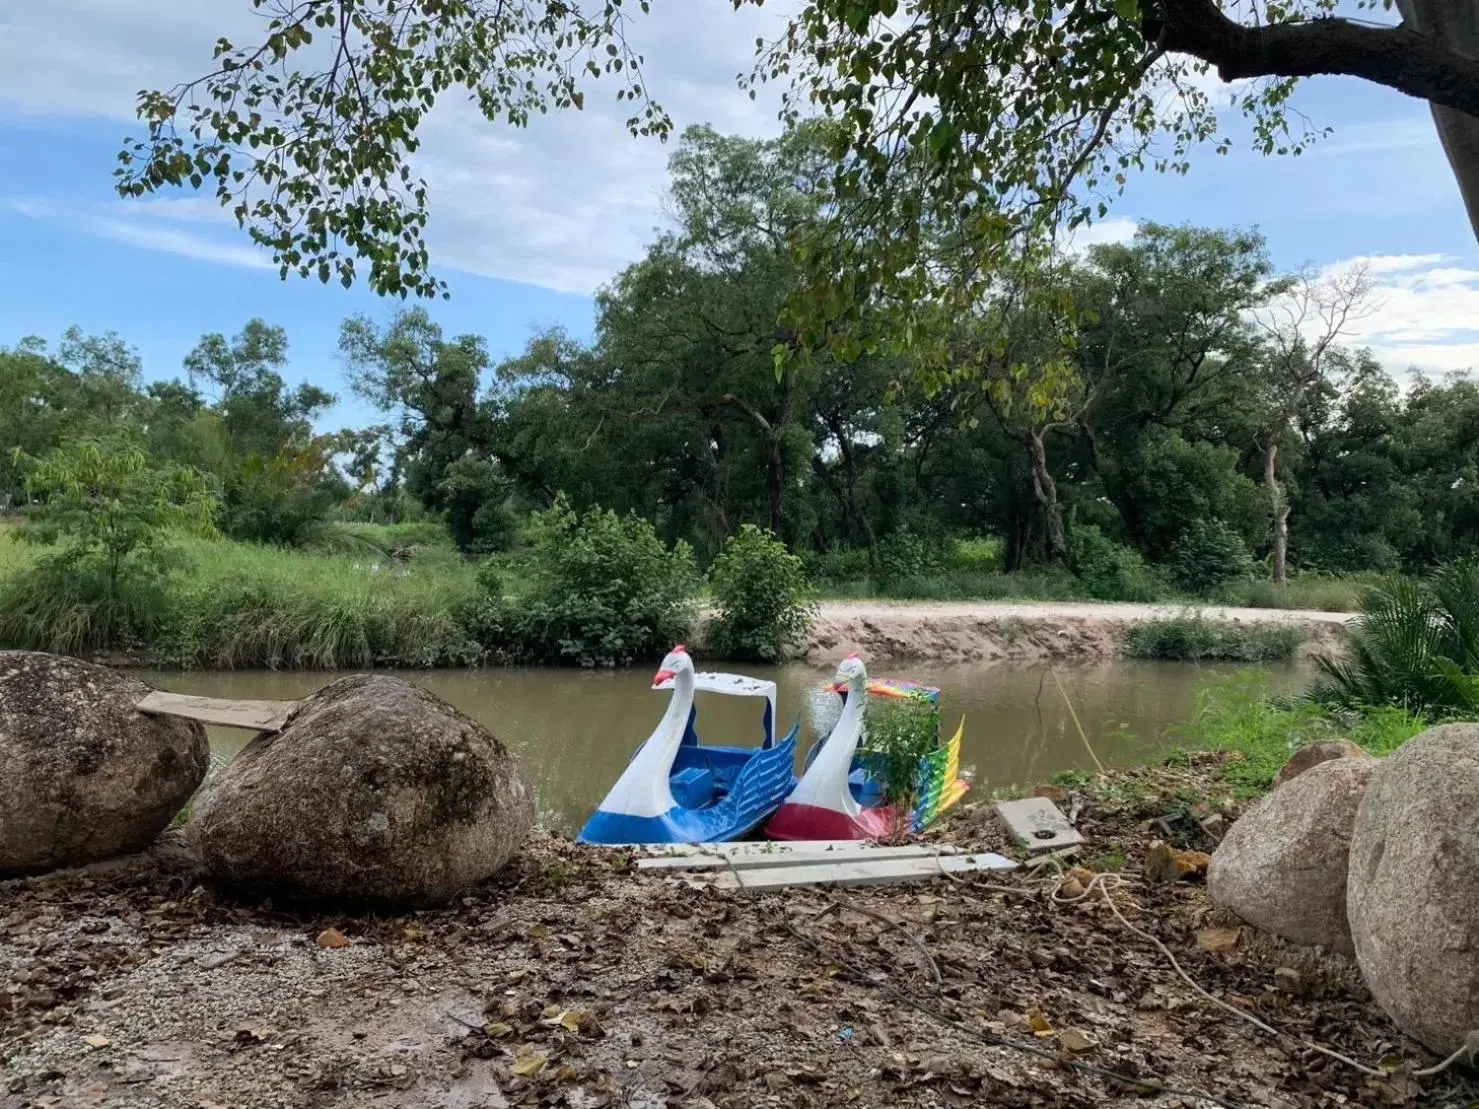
677 790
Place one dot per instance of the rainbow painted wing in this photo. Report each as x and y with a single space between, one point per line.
900 690
940 783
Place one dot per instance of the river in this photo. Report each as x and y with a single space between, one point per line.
573 731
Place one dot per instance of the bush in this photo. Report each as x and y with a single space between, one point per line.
1192 639
762 596
604 590
977 556
1415 646
1111 571
900 735
1207 555
903 554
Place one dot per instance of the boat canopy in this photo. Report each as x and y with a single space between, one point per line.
734 685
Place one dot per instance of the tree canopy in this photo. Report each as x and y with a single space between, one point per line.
961 133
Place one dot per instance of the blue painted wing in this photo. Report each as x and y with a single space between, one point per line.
758 790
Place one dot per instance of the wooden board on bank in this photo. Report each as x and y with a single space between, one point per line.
254 716
857 872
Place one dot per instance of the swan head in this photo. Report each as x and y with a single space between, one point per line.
851 674
675 662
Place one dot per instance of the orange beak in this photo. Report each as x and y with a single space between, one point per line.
663 676
839 687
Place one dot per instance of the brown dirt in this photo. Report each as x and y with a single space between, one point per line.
983 631
571 980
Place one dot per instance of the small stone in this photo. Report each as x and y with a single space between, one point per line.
1219 941
1076 1041
97 1041
1164 863
1288 980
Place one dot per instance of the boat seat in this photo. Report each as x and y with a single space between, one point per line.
692 787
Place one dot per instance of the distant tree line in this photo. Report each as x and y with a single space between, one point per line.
1172 396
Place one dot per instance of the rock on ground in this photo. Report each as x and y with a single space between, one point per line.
375 790
83 774
1414 914
1315 753
1282 866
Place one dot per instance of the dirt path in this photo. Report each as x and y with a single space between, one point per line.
974 631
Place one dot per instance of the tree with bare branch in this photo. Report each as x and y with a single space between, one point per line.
1301 330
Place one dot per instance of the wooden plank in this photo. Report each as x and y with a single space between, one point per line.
755 860
256 716
882 872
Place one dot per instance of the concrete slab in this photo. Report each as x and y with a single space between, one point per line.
1038 824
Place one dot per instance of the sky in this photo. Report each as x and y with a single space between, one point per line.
527 224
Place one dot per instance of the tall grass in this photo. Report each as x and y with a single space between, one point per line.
236 605
1193 639
1235 715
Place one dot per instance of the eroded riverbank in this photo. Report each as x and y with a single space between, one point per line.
1028 631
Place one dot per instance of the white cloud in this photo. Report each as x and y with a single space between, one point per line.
170 225
1116 229
1425 312
564 204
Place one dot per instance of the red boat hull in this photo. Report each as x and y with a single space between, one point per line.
811 822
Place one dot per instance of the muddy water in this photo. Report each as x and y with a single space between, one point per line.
574 731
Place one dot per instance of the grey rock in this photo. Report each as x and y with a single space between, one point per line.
84 775
375 790
1282 866
1414 914
1316 753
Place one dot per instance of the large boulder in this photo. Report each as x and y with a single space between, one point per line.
1414 913
1314 754
83 774
1282 866
374 791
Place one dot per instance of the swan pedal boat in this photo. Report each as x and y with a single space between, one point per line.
678 790
837 799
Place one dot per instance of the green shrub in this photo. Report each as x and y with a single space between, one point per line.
1191 639
976 556
1111 571
1208 554
899 734
840 564
604 590
762 597
1415 646
904 554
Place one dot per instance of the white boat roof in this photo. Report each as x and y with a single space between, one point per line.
735 685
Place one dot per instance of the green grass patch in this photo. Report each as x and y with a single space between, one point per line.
243 606
1193 639
1236 716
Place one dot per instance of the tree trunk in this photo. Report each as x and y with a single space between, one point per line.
1046 491
1455 26
777 468
1278 508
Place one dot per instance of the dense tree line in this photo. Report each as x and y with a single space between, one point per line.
1173 394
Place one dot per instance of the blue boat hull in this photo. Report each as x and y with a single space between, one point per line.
739 787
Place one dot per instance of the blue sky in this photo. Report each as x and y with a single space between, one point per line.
528 224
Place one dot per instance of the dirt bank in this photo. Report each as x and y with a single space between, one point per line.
572 981
977 631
